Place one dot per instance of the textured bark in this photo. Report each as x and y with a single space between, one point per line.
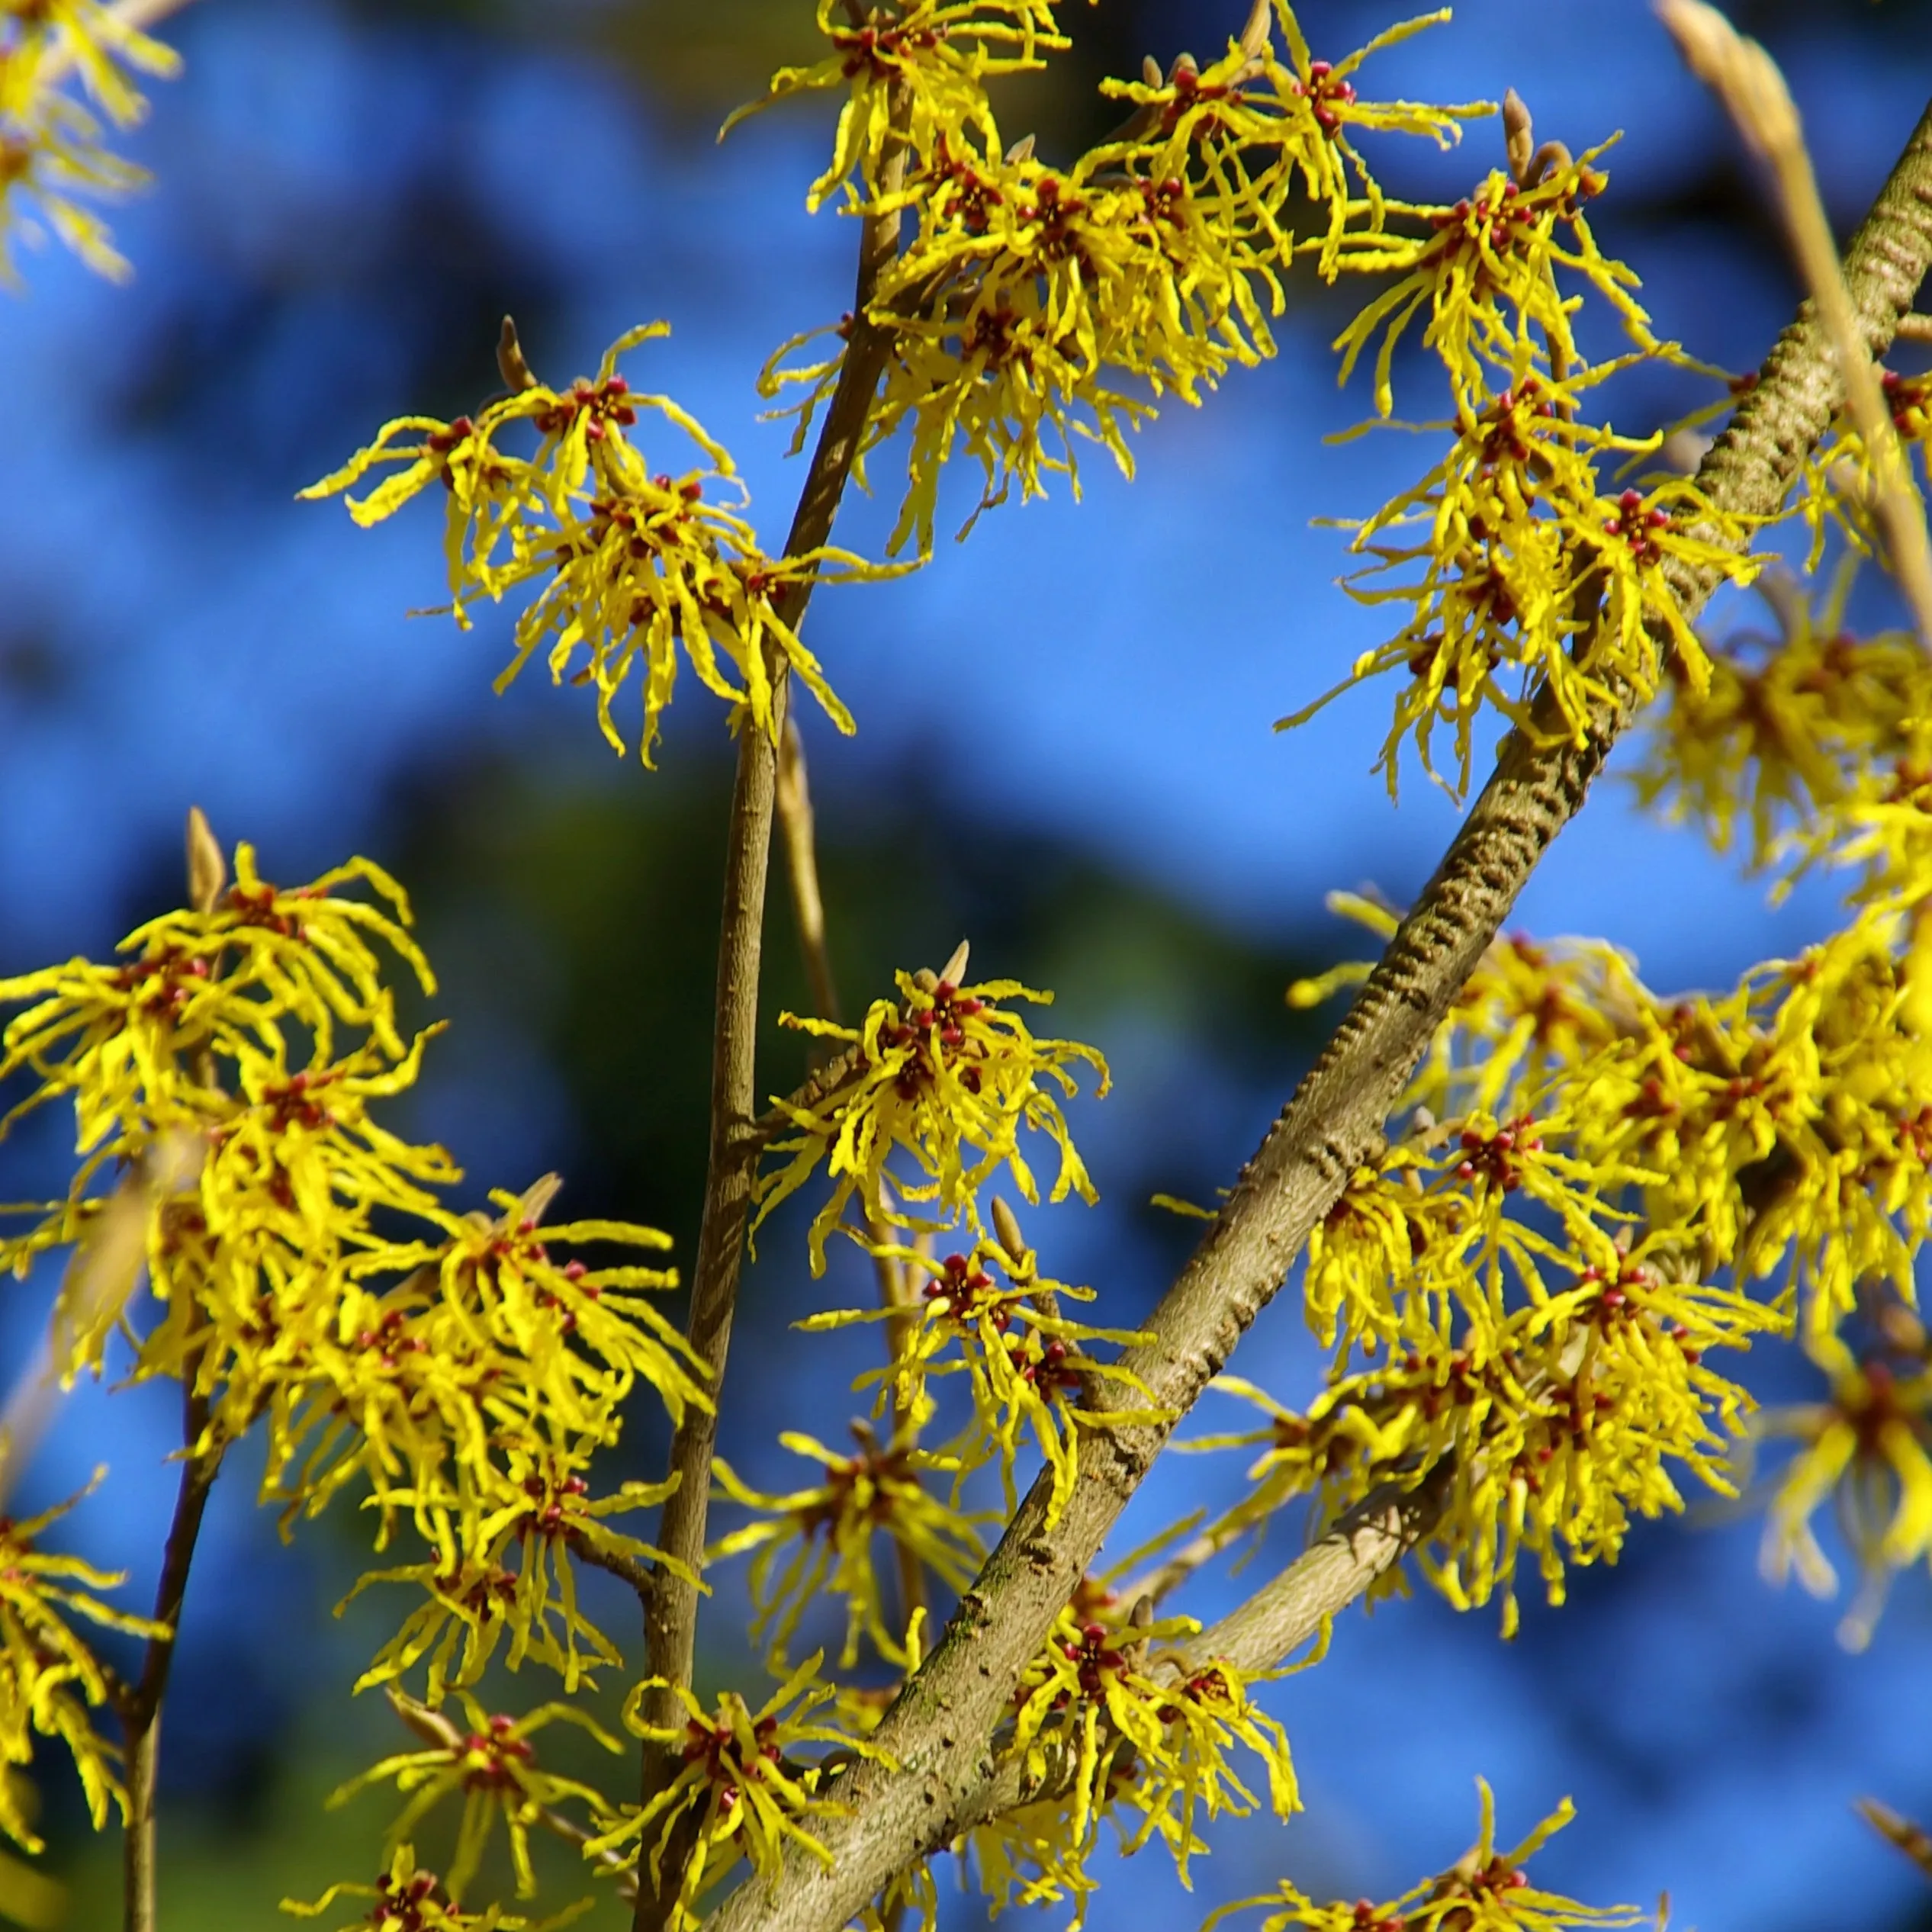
940 1730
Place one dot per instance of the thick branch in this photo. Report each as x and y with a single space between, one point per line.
1363 1545
939 1731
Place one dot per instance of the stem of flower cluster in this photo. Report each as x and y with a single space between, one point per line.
140 1709
795 820
671 1615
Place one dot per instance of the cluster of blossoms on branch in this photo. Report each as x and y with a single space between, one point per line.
303 1274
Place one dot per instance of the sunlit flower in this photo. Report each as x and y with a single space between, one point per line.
739 1794
1486 1890
1487 270
50 1680
631 565
949 1074
1028 1364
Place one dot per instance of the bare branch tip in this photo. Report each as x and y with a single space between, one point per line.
208 864
510 363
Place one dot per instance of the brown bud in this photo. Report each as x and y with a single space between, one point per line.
1021 150
1007 1227
1150 71
208 864
510 365
953 971
1518 137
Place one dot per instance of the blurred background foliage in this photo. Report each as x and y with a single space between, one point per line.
1063 756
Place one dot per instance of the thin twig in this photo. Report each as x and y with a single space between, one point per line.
1747 80
797 822
937 1731
626 1569
140 1707
671 1609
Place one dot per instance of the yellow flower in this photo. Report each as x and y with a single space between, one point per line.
1866 1447
407 1899
949 1074
1123 1721
879 1491
632 563
1485 1890
1186 1772
50 1680
740 1794
470 1605
50 149
493 1767
936 53
1485 271
1025 1362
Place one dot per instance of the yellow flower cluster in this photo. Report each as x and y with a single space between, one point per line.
632 565
52 158
947 1073
308 1275
1486 1890
1116 1715
1793 730
1036 306
1556 1427
50 1680
739 1794
1535 588
1526 579
1541 1259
